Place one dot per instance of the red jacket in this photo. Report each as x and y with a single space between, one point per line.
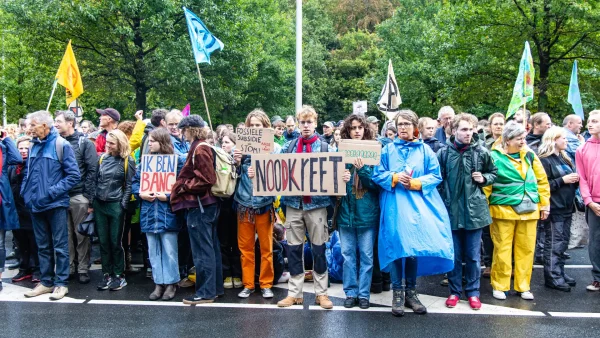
101 142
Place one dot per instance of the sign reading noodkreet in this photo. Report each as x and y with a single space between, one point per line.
307 174
252 141
368 151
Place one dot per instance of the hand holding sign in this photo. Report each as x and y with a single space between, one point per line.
255 140
367 150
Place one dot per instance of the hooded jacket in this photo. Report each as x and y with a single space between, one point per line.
9 219
588 167
47 181
87 161
534 141
433 143
562 194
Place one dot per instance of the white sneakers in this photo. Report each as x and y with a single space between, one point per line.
56 293
501 295
59 293
527 295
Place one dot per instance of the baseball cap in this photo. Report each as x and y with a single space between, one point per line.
328 124
372 119
111 112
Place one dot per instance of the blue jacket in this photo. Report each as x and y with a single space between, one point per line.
181 146
243 192
9 219
291 136
440 135
572 144
316 201
156 217
47 181
413 223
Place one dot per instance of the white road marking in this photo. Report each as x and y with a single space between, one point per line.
575 314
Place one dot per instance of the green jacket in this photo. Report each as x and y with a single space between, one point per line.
464 198
364 212
510 188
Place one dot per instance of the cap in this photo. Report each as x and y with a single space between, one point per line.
328 124
275 119
193 121
372 119
111 112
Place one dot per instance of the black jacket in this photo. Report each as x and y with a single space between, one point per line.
87 160
433 143
534 141
15 185
562 195
112 185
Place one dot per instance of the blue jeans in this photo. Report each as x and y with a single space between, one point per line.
162 252
206 252
467 249
351 240
52 238
404 268
2 251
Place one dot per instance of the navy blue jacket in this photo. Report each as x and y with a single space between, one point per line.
47 181
440 135
9 219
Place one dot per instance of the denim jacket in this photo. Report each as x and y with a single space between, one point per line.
243 192
317 202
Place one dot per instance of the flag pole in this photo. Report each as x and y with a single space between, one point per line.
52 94
204 96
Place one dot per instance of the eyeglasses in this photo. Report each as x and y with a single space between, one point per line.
308 123
404 125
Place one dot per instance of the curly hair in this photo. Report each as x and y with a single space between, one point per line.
126 127
347 126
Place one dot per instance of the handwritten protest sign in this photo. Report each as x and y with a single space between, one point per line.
307 174
252 141
368 151
158 173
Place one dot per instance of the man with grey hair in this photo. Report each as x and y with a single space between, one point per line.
51 172
82 194
572 125
445 117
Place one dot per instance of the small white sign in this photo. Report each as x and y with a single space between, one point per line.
359 107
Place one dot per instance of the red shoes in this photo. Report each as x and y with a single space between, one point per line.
475 303
452 301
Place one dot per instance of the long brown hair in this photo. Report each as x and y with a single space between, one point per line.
345 132
162 136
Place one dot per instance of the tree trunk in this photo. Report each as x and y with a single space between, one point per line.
139 68
543 84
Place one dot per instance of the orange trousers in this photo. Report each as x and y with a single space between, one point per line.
247 231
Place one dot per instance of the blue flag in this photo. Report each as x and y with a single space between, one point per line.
203 42
574 96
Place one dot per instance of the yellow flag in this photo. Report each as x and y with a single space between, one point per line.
68 75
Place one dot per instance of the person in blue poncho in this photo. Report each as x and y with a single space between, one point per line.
415 237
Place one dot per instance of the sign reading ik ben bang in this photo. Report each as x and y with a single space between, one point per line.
312 174
158 173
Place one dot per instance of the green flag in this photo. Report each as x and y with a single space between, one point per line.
523 91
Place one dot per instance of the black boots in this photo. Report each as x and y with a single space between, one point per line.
398 303
413 302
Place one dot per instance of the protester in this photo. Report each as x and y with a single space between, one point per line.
391 132
445 117
255 217
109 119
291 132
82 194
87 127
279 127
181 146
51 172
427 127
588 168
192 191
540 122
496 126
466 167
328 130
409 173
157 120
127 128
29 264
483 129
563 183
227 228
358 219
9 220
159 224
518 198
572 125
373 122
116 170
23 127
306 214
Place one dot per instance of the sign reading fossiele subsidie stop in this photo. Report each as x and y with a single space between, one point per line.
252 141
306 174
367 150
158 173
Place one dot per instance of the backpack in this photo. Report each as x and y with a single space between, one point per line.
226 173
59 148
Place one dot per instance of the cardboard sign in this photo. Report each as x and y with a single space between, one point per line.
255 140
158 173
312 174
369 151
359 107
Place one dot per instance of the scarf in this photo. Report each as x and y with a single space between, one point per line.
308 143
357 188
461 147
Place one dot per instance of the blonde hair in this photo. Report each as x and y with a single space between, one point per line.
197 133
424 121
122 142
472 119
548 145
594 112
307 112
261 116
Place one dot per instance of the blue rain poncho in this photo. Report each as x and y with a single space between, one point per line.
413 223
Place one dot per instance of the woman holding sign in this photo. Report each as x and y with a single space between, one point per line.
357 219
157 221
414 224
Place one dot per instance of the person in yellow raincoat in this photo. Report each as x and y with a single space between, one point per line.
518 198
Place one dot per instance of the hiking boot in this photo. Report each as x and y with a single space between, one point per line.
237 283
560 287
412 302
386 286
228 283
569 280
159 289
595 286
398 303
452 301
21 276
39 289
59 293
118 283
289 301
376 287
363 303
170 292
350 302
245 293
267 293
84 278
105 284
324 301
197 300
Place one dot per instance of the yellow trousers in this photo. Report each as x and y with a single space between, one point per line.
512 238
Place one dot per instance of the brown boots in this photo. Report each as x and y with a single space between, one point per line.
164 292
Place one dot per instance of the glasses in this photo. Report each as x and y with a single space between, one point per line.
308 123
404 125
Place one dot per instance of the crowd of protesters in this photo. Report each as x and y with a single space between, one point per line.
448 192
